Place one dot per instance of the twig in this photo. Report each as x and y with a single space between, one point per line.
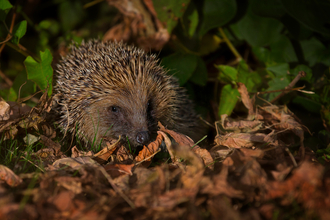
110 180
8 81
281 90
90 4
229 44
22 50
9 35
290 86
291 156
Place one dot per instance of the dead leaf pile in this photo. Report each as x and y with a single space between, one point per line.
249 173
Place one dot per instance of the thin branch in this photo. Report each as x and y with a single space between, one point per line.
281 90
9 35
8 81
290 86
229 44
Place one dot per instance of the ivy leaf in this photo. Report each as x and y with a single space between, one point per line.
217 14
19 31
257 30
199 76
180 65
41 72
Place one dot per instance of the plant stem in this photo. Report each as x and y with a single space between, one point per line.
229 44
22 50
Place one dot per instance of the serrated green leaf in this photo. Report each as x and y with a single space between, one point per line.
19 31
199 76
228 99
217 14
180 65
41 73
170 11
5 6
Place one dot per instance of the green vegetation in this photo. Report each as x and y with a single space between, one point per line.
213 46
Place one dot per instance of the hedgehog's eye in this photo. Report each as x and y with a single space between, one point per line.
114 108
149 108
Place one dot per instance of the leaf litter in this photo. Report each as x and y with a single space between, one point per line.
248 173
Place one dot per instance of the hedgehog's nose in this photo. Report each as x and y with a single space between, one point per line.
142 137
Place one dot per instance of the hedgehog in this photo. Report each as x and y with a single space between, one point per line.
110 89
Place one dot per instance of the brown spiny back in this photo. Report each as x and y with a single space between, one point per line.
111 89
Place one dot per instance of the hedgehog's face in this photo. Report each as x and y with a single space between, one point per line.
121 115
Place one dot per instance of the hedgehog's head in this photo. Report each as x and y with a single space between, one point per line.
130 115
112 90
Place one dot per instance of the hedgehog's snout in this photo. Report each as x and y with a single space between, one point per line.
142 137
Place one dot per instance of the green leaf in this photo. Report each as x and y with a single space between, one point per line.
281 79
227 74
263 54
170 11
5 6
51 26
308 104
269 8
250 79
217 14
180 65
41 73
256 30
70 13
315 52
199 76
283 51
228 99
280 70
18 88
307 70
190 19
19 31
313 14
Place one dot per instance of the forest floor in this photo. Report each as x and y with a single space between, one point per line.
257 168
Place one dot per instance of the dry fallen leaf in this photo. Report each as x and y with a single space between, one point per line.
246 100
149 151
116 170
139 24
103 155
8 176
4 110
